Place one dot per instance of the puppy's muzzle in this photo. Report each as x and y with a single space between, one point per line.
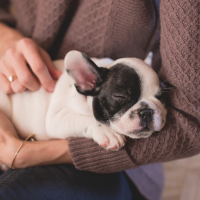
146 116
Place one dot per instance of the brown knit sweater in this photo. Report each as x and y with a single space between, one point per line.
126 28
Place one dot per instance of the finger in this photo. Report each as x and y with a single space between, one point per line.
51 67
6 72
13 63
17 87
32 56
25 77
5 84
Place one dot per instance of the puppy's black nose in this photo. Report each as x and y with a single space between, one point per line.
146 114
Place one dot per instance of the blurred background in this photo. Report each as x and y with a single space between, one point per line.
182 179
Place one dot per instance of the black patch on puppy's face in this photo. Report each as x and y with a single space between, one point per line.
120 90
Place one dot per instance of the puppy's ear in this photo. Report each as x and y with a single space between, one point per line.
87 76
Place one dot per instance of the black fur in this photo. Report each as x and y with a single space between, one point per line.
120 90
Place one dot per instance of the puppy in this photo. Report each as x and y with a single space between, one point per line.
98 99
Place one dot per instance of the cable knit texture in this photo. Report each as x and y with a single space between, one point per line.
180 68
126 28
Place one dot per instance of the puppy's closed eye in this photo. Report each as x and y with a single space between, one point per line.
120 97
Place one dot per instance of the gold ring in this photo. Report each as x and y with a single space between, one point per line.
12 78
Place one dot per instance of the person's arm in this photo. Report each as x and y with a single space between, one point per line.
41 153
180 67
15 52
31 154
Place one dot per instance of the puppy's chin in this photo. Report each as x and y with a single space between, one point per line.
138 134
142 134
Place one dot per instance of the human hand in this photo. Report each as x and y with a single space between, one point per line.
23 57
9 140
40 152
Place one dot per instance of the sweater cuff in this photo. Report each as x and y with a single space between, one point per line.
6 18
89 156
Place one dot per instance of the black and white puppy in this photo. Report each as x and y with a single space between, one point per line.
109 102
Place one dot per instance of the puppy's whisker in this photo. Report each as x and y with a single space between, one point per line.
169 88
163 81
165 91
169 117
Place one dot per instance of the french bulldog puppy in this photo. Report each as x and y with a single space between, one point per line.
94 98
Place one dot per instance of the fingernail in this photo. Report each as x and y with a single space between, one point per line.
51 88
59 72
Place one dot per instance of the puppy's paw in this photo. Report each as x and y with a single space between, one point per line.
108 138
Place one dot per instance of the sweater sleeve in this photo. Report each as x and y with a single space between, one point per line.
5 16
180 67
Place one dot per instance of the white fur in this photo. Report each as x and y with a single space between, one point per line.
66 113
62 114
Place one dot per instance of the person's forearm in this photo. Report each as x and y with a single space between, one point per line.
181 135
41 153
7 36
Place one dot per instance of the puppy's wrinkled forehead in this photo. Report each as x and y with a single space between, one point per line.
149 81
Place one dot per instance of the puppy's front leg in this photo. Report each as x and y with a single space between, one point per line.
65 123
106 137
